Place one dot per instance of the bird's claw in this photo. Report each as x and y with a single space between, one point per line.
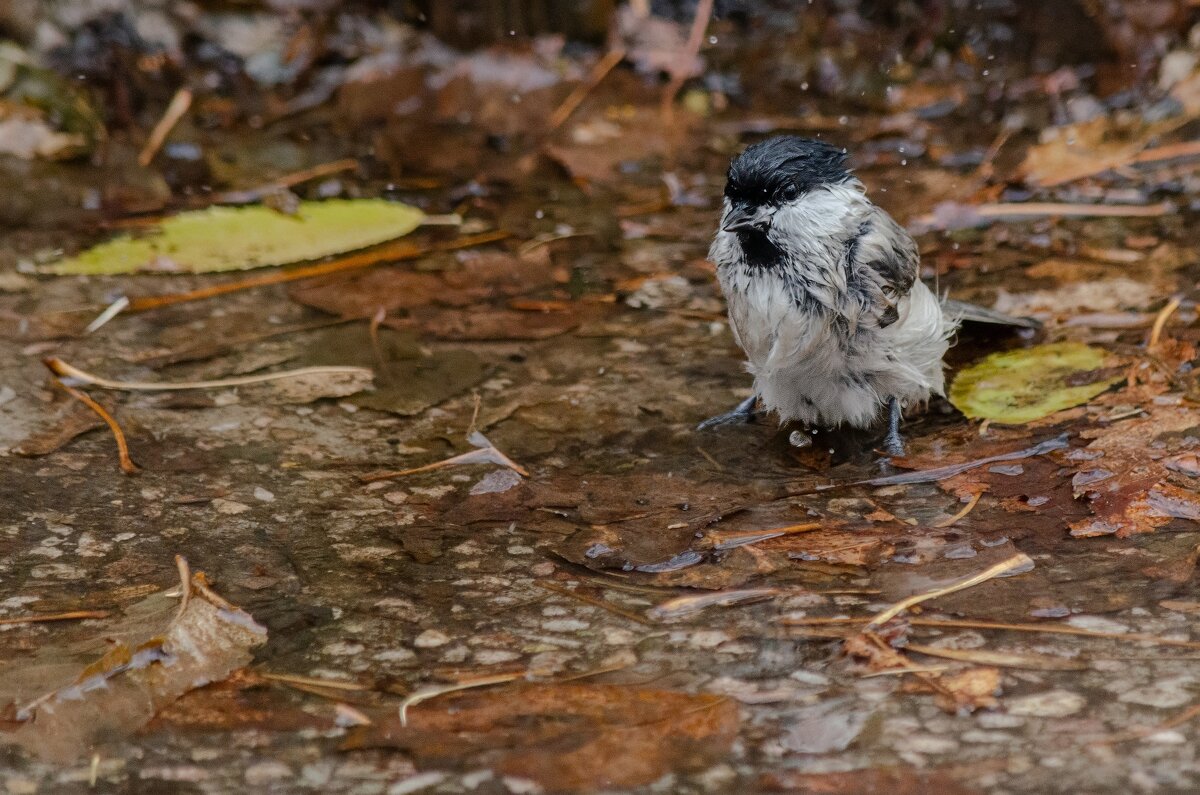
744 412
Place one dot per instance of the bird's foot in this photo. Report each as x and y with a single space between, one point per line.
744 412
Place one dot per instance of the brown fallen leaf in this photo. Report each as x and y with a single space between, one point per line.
874 653
469 301
68 699
564 737
961 693
73 421
1125 478
1087 148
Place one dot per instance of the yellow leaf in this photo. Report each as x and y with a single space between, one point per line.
1026 385
240 238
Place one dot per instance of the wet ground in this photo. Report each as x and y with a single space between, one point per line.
630 604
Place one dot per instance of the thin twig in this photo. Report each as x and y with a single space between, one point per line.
185 584
126 462
200 583
373 332
1032 662
64 370
253 195
426 693
482 455
175 111
477 402
115 308
1186 716
1068 210
912 669
723 540
1050 629
310 681
942 473
1160 321
397 251
599 71
1015 563
73 615
601 603
685 605
690 51
970 506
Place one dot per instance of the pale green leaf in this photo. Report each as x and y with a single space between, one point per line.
239 238
1025 385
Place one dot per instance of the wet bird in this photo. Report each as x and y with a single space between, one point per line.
824 295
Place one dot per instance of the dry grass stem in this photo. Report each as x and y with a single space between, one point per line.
397 251
64 370
178 106
72 615
1010 565
599 71
1160 321
970 506
600 603
126 462
426 693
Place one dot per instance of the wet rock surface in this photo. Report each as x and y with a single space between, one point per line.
597 596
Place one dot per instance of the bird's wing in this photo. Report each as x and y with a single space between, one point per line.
884 263
886 255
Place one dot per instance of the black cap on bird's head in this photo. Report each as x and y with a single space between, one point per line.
776 171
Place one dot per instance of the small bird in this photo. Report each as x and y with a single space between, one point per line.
824 296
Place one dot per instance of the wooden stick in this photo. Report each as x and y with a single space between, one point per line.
389 252
158 136
1160 321
127 465
69 616
599 71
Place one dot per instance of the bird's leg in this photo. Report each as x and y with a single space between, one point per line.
894 442
742 412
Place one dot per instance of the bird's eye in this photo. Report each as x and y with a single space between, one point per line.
789 193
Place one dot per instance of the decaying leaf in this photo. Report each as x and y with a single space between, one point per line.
1128 480
313 386
1026 385
239 238
961 693
565 737
68 698
1086 148
465 302
826 727
72 421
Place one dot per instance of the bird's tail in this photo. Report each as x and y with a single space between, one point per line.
977 314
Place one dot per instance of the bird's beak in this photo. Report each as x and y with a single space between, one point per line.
747 218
